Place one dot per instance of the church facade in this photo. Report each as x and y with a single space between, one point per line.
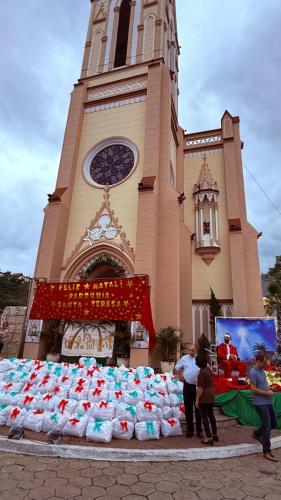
135 194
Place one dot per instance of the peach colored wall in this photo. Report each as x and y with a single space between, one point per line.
218 273
128 122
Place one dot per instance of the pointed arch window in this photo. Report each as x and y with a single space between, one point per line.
122 34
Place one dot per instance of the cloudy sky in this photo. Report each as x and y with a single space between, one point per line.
230 59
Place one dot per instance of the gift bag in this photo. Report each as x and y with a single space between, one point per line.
76 425
53 421
99 383
133 397
176 399
104 410
115 396
145 372
179 412
78 393
4 412
117 386
96 395
146 411
156 398
175 386
28 401
46 402
16 416
87 362
137 383
99 431
34 420
65 406
167 412
126 412
171 427
85 408
147 430
122 429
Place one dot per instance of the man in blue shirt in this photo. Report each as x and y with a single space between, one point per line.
188 371
262 400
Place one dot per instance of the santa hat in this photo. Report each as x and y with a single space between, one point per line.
227 335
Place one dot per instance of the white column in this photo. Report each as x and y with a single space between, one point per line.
217 224
201 224
197 224
193 323
135 31
201 308
211 222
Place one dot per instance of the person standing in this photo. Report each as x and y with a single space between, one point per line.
262 400
188 371
205 396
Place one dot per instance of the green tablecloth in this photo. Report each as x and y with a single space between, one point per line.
239 404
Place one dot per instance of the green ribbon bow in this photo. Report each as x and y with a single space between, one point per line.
97 425
54 417
133 394
132 410
3 406
150 428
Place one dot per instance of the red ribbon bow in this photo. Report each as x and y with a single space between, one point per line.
27 387
63 404
97 392
182 409
172 422
7 386
118 394
38 367
27 400
148 405
38 412
79 388
64 379
137 381
15 413
164 378
74 421
162 393
100 382
81 381
103 404
33 376
90 373
45 380
56 389
47 397
86 405
124 426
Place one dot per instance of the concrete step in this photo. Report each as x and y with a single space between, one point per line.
223 421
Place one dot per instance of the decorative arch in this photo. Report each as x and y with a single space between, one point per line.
149 37
94 59
111 255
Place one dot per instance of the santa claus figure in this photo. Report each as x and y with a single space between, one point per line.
229 360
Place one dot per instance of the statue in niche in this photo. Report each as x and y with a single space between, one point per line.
206 226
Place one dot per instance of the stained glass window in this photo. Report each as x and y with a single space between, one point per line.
112 164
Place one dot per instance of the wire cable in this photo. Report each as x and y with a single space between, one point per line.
264 192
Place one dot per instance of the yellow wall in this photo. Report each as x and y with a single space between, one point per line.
127 121
218 273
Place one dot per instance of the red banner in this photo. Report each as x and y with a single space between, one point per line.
124 299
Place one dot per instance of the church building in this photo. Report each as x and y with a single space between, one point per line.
137 195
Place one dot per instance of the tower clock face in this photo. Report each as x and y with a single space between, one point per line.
112 165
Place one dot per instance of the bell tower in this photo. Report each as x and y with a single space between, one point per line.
121 168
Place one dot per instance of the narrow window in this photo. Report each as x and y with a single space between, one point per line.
122 35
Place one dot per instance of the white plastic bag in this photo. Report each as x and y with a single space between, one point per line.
4 412
87 362
99 431
117 386
133 397
175 386
145 372
104 410
96 395
179 412
147 430
167 412
85 408
123 429
146 411
46 402
5 365
34 420
53 421
115 396
135 383
126 412
16 416
99 383
156 398
64 405
176 399
171 427
78 393
27 401
61 391
76 425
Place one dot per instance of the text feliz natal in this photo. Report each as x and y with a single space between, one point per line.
125 299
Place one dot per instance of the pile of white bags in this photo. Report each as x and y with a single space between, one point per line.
88 400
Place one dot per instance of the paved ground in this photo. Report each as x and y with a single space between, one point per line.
248 478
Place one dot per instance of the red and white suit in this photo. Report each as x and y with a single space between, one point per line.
224 353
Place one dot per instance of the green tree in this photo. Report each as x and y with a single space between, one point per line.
14 289
215 310
273 305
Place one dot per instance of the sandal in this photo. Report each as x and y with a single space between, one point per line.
209 441
268 455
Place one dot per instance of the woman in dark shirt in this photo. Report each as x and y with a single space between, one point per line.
205 396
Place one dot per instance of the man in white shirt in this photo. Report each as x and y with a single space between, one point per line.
188 371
